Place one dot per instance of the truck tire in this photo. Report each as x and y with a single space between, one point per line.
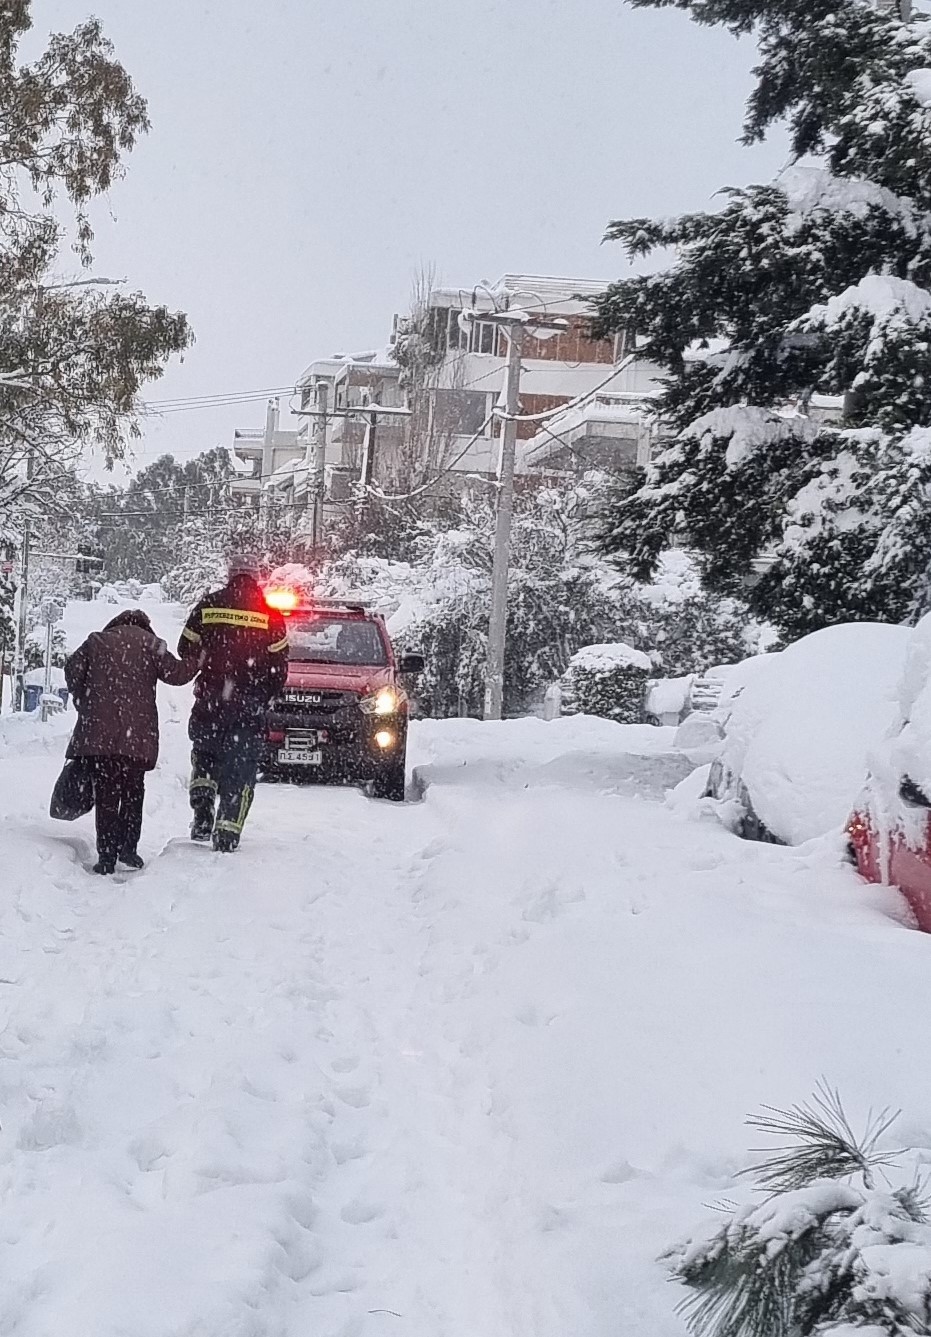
390 784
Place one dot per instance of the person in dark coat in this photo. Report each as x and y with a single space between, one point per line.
239 649
112 678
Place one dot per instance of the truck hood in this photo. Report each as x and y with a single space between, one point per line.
361 678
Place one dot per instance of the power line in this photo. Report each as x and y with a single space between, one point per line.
226 508
431 482
572 403
225 396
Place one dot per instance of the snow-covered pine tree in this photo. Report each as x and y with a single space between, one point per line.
818 284
829 1251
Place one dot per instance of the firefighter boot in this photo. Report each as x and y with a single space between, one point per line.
202 825
225 842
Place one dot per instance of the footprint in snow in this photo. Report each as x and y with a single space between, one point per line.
360 1213
358 1097
621 1172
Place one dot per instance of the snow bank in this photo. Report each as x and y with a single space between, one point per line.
581 751
700 737
803 723
28 735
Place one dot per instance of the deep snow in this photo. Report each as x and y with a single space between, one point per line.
458 1068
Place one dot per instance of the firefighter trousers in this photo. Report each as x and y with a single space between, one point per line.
222 788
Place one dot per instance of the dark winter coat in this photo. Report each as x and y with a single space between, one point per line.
238 647
112 678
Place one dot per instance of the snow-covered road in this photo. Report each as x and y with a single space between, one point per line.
461 1068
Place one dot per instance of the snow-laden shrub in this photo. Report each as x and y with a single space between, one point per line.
667 699
827 1251
607 680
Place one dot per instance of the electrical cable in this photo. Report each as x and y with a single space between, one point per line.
425 487
218 395
570 404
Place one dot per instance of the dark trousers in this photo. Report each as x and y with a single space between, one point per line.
119 791
222 787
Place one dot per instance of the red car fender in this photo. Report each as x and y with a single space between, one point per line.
908 868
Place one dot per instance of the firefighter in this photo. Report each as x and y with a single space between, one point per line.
241 647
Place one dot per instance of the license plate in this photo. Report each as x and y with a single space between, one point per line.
300 756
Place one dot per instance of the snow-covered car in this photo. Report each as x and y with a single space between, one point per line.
798 728
891 827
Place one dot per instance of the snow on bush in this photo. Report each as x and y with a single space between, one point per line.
801 725
669 696
607 680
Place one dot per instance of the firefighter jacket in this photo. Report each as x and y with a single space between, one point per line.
242 649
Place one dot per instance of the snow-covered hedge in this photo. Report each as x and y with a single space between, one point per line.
607 680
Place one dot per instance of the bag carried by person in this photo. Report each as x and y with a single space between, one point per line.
73 794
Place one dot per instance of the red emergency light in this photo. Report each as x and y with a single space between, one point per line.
283 599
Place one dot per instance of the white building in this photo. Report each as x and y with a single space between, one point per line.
556 370
369 430
259 452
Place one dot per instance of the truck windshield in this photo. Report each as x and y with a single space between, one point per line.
318 639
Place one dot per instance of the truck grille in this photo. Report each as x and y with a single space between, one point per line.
300 698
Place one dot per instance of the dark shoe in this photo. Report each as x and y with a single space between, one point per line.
131 860
202 829
225 842
104 868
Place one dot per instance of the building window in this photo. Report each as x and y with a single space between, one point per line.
459 412
484 337
456 336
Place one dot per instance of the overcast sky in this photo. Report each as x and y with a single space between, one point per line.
305 157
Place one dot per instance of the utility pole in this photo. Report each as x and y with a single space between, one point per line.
22 605
318 465
368 460
268 462
22 610
514 322
497 623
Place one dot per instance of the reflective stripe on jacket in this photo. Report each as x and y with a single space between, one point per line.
241 646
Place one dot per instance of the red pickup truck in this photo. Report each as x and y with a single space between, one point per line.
343 714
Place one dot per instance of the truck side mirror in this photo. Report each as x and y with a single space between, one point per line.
411 664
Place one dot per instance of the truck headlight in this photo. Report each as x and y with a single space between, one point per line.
385 739
384 702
